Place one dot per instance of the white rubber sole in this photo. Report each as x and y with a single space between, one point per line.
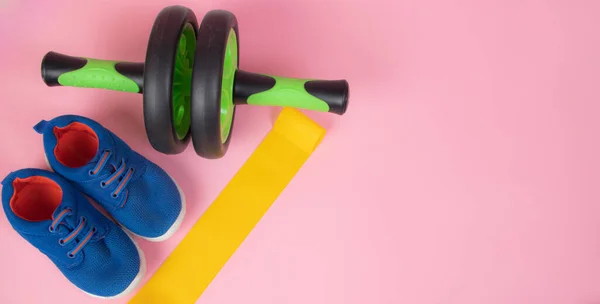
48 163
135 282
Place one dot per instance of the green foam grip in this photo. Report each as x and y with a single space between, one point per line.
288 92
63 70
100 74
316 95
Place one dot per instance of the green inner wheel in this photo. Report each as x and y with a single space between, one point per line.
230 66
182 81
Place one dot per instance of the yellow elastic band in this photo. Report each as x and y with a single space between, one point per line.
195 262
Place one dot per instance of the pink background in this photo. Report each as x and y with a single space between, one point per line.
465 171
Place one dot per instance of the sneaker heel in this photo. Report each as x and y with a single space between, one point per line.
41 126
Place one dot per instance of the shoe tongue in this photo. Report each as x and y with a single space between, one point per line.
94 161
109 167
83 171
71 219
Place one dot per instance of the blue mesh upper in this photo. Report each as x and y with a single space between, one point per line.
105 266
158 214
151 202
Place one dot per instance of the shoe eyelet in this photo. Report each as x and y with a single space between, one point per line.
114 195
91 173
61 242
70 255
102 184
94 230
51 229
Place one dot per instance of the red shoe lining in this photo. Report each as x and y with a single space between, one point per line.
76 145
35 198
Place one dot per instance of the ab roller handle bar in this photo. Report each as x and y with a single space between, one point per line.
191 83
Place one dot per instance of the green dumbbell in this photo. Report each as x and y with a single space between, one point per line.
191 83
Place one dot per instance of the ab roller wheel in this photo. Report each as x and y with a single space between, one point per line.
191 83
167 79
212 83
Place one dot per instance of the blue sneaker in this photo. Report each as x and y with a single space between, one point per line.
90 250
137 193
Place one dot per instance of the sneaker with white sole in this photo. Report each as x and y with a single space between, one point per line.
90 250
137 193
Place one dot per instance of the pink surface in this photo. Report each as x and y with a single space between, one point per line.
465 171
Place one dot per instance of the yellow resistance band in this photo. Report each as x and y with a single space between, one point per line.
195 262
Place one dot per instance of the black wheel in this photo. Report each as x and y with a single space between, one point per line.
167 79
215 66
